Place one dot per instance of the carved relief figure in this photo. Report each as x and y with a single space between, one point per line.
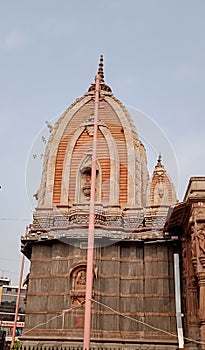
193 243
86 182
84 179
80 280
160 190
201 237
184 259
77 292
160 193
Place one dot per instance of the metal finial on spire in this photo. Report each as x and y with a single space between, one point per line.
103 85
100 69
159 160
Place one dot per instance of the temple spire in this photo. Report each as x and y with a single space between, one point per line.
159 160
162 191
103 86
100 69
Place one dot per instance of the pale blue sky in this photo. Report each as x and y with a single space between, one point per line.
154 54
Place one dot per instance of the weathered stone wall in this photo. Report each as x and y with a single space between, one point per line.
134 279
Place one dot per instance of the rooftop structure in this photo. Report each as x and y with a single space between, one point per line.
8 297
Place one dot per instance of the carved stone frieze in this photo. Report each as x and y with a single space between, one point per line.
193 246
73 224
133 222
78 346
89 125
197 231
200 233
62 221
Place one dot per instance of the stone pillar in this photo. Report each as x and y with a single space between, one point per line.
201 282
190 290
198 259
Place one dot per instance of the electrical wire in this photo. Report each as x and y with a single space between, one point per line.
146 324
119 314
134 319
53 318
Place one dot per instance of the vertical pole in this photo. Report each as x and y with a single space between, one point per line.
17 302
90 250
178 301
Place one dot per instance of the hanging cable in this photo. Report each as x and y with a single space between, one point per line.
53 318
119 314
146 324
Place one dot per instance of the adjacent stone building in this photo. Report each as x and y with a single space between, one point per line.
133 303
186 222
8 297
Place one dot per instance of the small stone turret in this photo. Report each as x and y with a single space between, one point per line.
162 191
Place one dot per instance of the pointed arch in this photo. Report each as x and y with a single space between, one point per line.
66 166
48 175
114 168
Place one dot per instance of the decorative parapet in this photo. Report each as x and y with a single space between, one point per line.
114 216
156 216
133 218
112 224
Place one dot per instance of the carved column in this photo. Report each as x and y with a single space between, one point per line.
198 259
190 290
201 281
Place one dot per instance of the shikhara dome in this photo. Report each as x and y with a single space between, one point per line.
122 175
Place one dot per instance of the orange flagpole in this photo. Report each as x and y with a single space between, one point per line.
18 298
90 251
